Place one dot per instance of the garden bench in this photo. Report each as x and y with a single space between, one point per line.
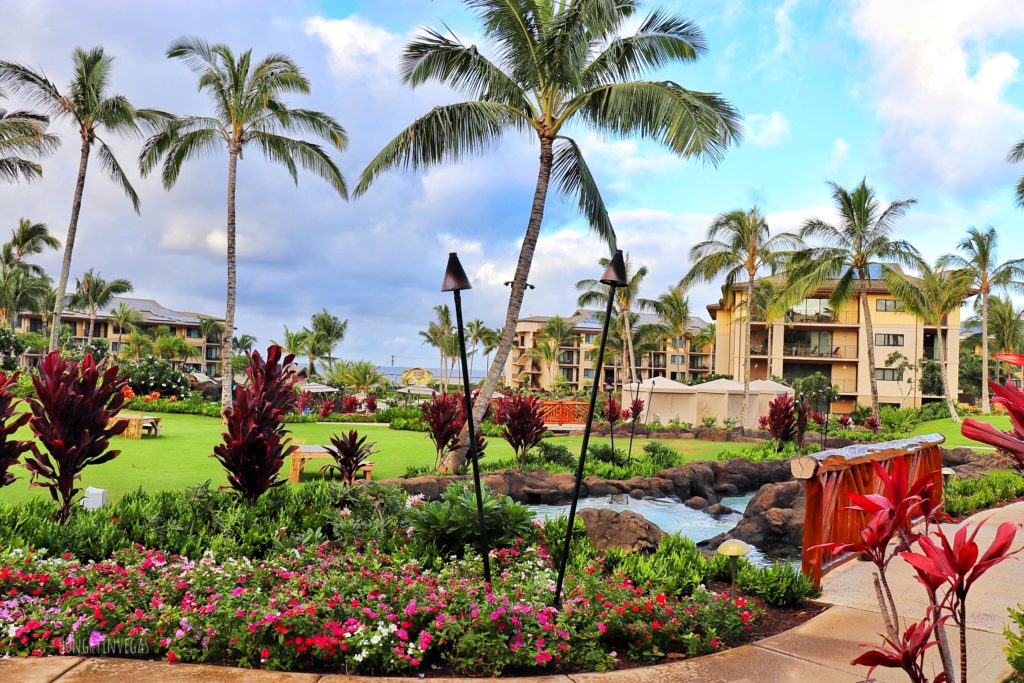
137 424
306 452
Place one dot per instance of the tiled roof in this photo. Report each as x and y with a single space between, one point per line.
152 312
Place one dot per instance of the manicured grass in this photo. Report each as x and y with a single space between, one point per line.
180 457
951 430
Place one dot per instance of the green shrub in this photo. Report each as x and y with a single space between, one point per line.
409 424
582 553
661 456
676 565
549 453
898 420
781 584
445 527
766 451
936 410
155 374
348 418
194 404
964 496
1015 640
709 422
389 414
603 452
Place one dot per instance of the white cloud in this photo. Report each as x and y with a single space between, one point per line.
766 130
626 156
358 48
939 86
784 28
839 150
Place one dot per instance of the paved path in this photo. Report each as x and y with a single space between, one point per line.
818 651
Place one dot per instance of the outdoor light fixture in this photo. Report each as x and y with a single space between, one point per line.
508 283
614 276
455 280
94 498
734 549
947 474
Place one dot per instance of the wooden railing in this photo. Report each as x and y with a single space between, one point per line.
830 475
560 412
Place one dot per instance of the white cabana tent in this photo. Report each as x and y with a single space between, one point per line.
316 388
667 400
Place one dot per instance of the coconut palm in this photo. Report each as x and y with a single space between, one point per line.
171 347
931 296
545 350
123 317
26 240
361 376
705 339
248 111
244 342
980 258
627 301
851 252
439 334
331 330
314 345
23 132
93 293
490 338
19 291
673 310
740 245
88 105
292 341
560 63
211 329
138 343
1015 156
476 330
1005 330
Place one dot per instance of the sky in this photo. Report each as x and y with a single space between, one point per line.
922 97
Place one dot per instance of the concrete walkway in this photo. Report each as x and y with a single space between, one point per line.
818 651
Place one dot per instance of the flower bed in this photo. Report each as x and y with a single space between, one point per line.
354 610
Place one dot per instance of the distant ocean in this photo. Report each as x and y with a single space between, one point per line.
394 373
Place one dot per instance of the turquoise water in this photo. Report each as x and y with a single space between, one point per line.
670 515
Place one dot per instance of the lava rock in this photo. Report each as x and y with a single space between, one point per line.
626 530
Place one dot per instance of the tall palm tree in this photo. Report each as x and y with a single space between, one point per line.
123 317
476 330
438 334
88 105
980 258
19 291
244 342
23 132
931 296
705 339
248 109
138 343
627 301
211 328
740 245
1015 156
673 310
1005 329
292 341
331 330
93 293
545 350
560 63
851 251
26 240
490 339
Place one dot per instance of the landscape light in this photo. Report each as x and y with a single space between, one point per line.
734 549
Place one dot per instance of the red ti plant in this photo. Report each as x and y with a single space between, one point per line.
304 403
762 423
255 444
845 421
370 403
905 653
872 424
781 419
326 408
350 453
521 422
444 416
71 418
612 411
1011 442
10 449
349 404
636 409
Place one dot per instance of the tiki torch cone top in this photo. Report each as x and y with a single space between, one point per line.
455 278
615 273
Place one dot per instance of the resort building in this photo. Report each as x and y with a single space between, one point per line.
153 315
813 337
675 358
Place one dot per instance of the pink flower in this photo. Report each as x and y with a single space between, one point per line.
601 628
542 657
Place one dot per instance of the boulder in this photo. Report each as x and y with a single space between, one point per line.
774 518
969 463
717 510
626 530
696 502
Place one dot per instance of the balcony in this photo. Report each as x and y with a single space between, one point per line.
839 351
699 364
823 318
842 385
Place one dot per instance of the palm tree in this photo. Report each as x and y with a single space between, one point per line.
560 62
626 299
248 108
705 339
439 334
1005 329
124 316
740 245
331 330
931 296
244 342
138 343
362 376
19 291
292 341
171 347
476 330
211 329
88 105
1015 156
980 257
851 250
23 132
93 293
27 239
314 345
545 350
673 310
490 338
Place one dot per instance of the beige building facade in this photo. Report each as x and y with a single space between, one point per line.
813 337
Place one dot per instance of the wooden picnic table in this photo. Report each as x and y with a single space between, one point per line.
305 452
137 424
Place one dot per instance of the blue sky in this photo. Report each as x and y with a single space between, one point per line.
922 98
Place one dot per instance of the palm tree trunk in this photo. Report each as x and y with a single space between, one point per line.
92 326
985 407
869 332
69 244
746 355
945 380
229 310
457 457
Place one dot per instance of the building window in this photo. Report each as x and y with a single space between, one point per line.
888 305
588 373
569 374
566 357
193 333
677 376
811 311
677 360
888 340
589 337
888 374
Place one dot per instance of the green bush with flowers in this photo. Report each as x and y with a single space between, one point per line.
152 374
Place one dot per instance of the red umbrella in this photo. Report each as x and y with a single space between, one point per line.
1011 358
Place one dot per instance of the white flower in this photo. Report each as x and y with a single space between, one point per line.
12 631
374 639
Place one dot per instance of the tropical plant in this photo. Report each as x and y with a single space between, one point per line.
172 348
93 111
19 291
1009 443
560 63
255 443
361 376
10 449
93 293
1005 324
852 251
522 424
1016 155
248 111
906 652
152 374
545 350
739 244
349 452
138 343
627 303
782 420
243 343
124 317
477 334
673 310
349 404
931 296
444 417
72 420
23 133
331 330
980 259
28 239
439 333
211 329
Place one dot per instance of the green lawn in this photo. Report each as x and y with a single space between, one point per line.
951 430
180 457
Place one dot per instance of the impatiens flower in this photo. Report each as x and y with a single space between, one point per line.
171 658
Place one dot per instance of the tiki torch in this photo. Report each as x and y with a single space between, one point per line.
455 280
614 276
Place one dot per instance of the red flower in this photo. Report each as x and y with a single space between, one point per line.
171 658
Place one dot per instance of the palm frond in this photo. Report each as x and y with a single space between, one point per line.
109 164
574 179
310 156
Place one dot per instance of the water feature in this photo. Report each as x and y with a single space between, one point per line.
670 515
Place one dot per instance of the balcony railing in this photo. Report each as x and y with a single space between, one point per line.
834 318
845 351
699 364
844 386
758 347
